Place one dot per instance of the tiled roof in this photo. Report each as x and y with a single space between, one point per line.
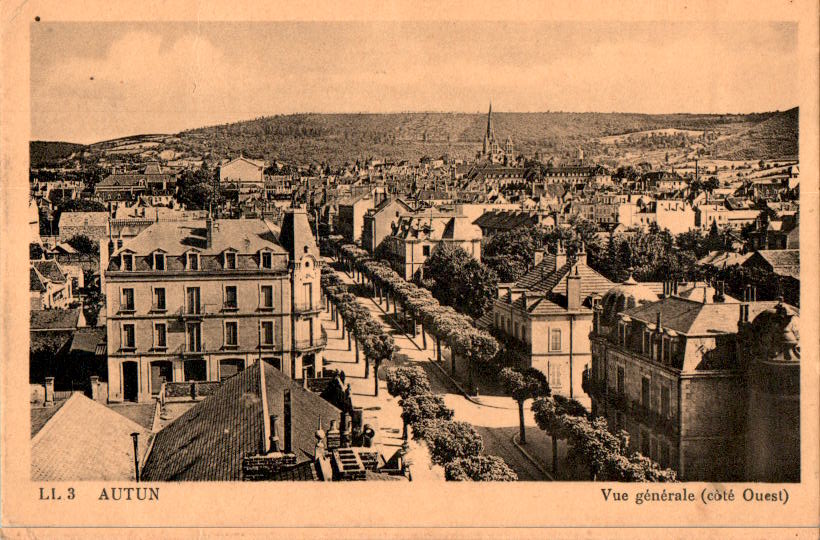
209 440
85 440
83 219
54 319
41 414
132 180
782 261
506 220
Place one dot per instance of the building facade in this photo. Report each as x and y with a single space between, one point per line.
202 300
378 222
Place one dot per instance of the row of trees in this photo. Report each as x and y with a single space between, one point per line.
455 445
419 308
457 279
591 445
360 327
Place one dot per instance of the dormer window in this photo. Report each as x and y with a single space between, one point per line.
128 262
159 261
193 261
230 260
266 260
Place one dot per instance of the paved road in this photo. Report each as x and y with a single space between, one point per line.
496 425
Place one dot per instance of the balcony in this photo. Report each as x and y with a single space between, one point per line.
304 345
193 349
654 419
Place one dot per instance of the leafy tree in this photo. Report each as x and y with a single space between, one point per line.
479 469
405 381
457 279
510 254
550 416
419 407
448 440
522 385
84 245
378 346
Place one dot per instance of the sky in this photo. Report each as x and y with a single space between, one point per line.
96 81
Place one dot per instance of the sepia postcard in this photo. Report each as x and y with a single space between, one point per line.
406 269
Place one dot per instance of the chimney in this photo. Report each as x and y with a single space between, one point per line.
574 291
539 256
209 234
274 437
288 448
95 387
560 255
49 396
581 256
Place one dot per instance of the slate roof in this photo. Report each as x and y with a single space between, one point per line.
85 440
129 180
35 280
54 319
693 317
87 339
50 269
506 220
208 441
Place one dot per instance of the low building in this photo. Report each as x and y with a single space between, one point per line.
202 300
245 173
350 215
93 225
50 285
783 262
129 186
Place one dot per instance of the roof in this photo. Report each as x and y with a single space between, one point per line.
128 180
209 440
83 219
506 219
175 238
724 258
54 319
693 317
36 282
784 262
87 339
141 413
85 440
50 269
41 414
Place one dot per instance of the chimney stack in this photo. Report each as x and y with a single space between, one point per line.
560 255
539 256
49 392
574 291
288 448
274 437
209 231
744 305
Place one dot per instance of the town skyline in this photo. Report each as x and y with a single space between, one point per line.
83 92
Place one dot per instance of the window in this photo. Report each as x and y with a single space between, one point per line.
128 337
231 334
619 382
267 333
127 262
193 261
267 260
555 340
127 300
665 401
495 316
646 340
230 297
194 337
267 297
160 336
523 333
645 443
645 392
192 300
425 250
159 299
230 260
516 330
159 261
555 374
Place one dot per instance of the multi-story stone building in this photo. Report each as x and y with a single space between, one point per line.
669 372
202 300
378 222
549 311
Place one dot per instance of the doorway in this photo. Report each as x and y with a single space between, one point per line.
130 381
160 370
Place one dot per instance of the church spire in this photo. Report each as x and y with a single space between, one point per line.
490 134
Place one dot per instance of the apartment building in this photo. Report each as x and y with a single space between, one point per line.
202 300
